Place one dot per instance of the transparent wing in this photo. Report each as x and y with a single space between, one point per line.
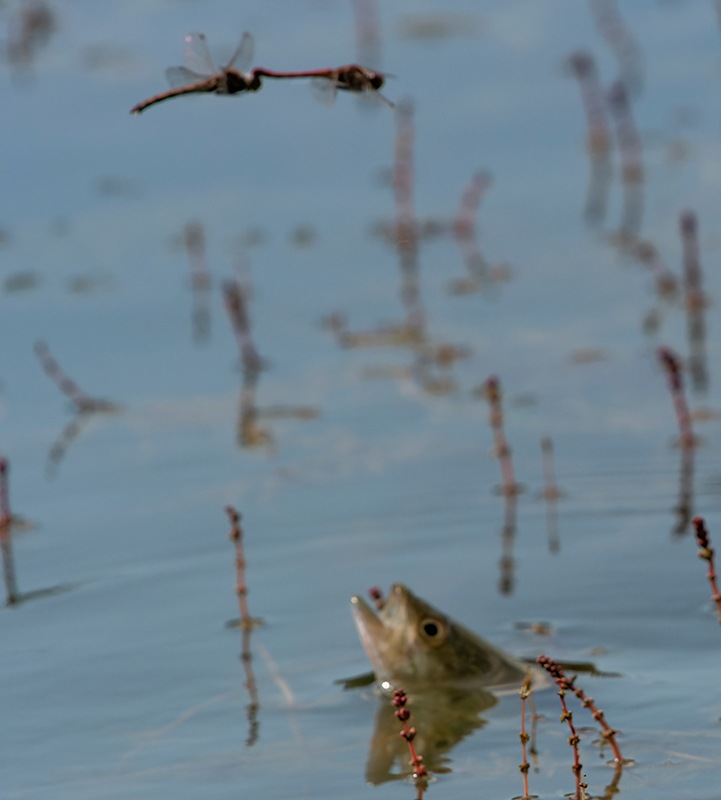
182 76
374 94
324 90
243 54
196 55
372 98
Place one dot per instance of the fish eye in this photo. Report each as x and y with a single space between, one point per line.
433 630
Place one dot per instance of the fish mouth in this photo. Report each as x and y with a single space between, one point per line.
371 631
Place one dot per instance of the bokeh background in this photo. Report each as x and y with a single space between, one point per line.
361 453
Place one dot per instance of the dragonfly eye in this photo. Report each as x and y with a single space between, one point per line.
434 631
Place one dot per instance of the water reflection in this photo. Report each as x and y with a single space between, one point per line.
86 407
442 718
665 283
551 494
432 361
481 275
200 279
368 32
509 488
630 151
29 29
687 440
685 506
695 301
250 432
21 281
507 563
12 594
598 136
10 524
621 42
441 25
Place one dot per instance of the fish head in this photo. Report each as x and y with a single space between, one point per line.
412 644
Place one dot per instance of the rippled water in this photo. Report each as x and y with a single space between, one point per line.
371 464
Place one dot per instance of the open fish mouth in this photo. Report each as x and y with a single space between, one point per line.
371 632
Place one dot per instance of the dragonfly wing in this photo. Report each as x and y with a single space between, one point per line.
243 54
376 95
197 55
182 76
324 90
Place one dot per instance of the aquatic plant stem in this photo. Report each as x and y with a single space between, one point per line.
241 588
573 739
707 553
524 766
247 625
608 734
420 773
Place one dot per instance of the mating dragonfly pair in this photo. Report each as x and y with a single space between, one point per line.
201 75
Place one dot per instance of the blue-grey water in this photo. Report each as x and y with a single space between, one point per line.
126 682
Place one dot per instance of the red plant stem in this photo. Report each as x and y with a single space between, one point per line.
524 766
502 448
420 773
566 716
707 553
82 401
672 364
11 590
235 304
567 684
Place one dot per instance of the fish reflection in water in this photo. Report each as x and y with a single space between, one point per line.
442 717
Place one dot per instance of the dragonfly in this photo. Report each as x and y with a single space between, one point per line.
327 82
201 75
